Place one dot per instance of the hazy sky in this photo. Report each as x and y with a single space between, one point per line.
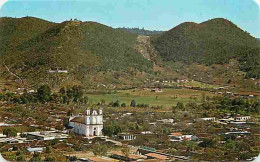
150 14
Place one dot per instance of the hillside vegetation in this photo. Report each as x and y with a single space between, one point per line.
15 31
212 42
142 31
82 48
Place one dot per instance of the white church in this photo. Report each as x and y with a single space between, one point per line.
88 124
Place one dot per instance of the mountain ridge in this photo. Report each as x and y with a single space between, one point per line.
93 52
214 41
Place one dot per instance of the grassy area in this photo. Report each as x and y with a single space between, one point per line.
167 98
200 84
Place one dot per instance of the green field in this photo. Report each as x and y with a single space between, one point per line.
167 98
200 84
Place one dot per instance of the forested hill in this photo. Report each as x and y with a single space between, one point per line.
211 42
15 31
142 31
82 48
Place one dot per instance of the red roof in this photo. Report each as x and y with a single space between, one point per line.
176 134
157 156
97 159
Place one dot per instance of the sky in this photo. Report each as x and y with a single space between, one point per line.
150 14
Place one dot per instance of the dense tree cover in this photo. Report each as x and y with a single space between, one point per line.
100 150
211 42
81 48
15 31
44 93
133 103
36 157
111 128
66 96
10 132
250 62
141 31
223 103
236 105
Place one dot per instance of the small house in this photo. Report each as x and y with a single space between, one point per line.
241 118
127 136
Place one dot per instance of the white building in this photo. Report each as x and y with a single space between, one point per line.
240 118
213 119
127 136
89 124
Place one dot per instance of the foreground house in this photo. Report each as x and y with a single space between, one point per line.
89 124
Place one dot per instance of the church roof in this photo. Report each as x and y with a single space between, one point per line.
79 119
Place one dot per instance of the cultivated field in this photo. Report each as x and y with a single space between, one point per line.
167 98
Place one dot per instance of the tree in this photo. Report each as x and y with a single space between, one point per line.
180 105
75 93
100 150
126 151
36 157
133 103
21 158
44 93
203 97
73 158
116 104
10 132
50 159
63 90
207 143
48 149
123 105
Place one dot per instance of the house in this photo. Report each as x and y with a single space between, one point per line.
177 137
98 159
46 135
156 90
241 118
127 136
36 149
166 121
213 119
58 71
146 132
89 124
131 157
156 156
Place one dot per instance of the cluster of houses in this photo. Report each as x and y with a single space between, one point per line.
237 119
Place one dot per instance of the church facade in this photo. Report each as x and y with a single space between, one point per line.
88 124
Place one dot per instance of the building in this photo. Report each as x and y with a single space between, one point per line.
240 118
46 135
127 136
89 124
178 137
156 90
58 71
213 119
156 156
166 121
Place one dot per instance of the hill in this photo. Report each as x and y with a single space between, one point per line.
142 31
212 42
82 48
15 31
